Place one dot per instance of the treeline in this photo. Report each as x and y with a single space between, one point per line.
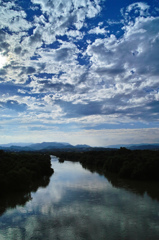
131 164
20 171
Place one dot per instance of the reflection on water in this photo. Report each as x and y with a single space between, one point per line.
139 187
11 200
78 204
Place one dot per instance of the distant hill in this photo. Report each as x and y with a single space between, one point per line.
49 145
142 146
62 146
119 146
15 148
145 147
43 146
15 144
82 146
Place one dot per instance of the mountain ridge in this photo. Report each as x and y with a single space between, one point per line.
41 146
48 146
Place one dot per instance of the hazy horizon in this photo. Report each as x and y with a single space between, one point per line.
107 146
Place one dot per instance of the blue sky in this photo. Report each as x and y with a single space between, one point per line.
82 72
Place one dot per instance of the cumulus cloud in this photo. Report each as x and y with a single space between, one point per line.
97 31
76 71
27 36
130 64
12 19
138 8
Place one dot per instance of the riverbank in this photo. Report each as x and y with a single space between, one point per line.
20 171
129 164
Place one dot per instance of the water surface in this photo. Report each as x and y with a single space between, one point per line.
78 204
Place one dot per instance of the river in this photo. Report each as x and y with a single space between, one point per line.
78 204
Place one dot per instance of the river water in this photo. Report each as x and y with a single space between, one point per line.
78 204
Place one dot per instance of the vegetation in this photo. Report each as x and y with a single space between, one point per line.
130 164
21 171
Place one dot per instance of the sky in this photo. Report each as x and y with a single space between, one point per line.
83 72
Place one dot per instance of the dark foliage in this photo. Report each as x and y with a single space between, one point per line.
136 164
20 171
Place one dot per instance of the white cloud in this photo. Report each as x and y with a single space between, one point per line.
97 31
72 75
21 47
138 6
63 14
134 10
75 34
133 59
14 20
